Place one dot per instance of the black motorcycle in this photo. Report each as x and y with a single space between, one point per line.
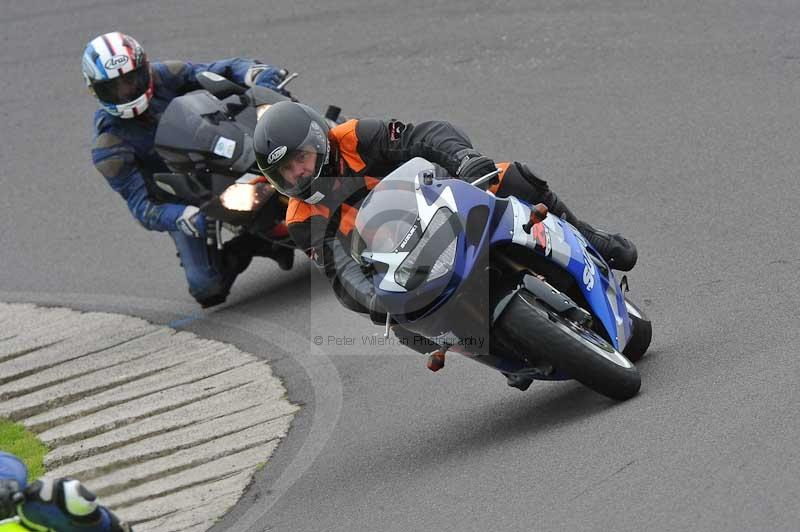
206 139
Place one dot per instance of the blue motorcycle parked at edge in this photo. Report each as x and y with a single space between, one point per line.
498 280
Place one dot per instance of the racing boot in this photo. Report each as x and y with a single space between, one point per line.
619 252
212 301
520 181
519 382
237 254
283 255
241 250
234 259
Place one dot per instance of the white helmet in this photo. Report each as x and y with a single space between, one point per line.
116 70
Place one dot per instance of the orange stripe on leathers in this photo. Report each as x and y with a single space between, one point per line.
344 135
503 167
348 219
300 211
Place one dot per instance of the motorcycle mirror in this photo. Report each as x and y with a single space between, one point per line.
488 177
265 96
287 78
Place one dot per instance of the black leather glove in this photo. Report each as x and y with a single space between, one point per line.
473 165
266 76
192 222
9 497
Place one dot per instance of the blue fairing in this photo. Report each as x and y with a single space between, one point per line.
565 246
467 197
553 238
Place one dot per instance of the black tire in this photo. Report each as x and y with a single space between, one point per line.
582 354
642 334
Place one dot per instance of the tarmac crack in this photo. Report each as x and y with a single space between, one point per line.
601 481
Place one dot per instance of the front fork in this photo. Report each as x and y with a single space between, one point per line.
517 363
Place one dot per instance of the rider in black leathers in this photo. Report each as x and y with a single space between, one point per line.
328 172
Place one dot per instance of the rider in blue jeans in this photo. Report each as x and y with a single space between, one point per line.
63 505
133 93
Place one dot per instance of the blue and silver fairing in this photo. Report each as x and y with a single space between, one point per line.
396 216
559 241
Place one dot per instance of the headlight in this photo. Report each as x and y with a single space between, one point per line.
242 196
444 263
434 254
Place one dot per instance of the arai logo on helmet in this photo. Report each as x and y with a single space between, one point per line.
117 61
276 154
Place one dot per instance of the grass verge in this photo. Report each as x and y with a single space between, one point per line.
15 439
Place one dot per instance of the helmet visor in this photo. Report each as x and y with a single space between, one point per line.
292 172
125 88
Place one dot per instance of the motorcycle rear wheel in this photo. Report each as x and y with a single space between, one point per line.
539 333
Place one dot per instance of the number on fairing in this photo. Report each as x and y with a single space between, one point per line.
588 271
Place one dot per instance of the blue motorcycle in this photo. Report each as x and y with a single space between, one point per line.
498 280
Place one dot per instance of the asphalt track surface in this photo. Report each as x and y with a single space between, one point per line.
677 122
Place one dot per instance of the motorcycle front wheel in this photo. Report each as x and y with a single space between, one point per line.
539 333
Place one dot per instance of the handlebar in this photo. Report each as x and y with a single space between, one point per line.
488 177
287 78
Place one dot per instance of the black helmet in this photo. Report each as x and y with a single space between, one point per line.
292 147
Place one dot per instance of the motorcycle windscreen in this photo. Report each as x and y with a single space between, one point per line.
388 219
409 236
195 129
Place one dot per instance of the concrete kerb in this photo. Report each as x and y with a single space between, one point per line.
194 429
